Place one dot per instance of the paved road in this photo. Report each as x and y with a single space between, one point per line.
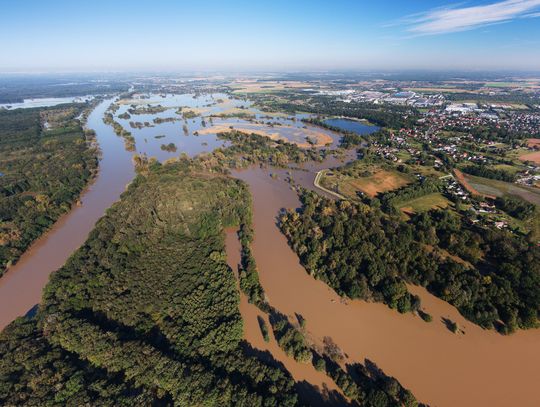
318 185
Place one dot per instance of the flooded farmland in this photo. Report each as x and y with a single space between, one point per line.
476 368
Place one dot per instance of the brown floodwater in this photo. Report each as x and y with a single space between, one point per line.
324 391
21 286
476 368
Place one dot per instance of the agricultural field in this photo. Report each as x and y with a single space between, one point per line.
249 86
368 179
498 188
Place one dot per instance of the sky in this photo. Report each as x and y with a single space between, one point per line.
167 35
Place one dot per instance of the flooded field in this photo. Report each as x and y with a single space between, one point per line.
192 122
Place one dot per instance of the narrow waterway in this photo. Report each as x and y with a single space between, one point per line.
22 285
478 368
314 387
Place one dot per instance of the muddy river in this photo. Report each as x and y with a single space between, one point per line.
478 368
21 286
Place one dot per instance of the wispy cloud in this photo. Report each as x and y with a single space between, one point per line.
458 18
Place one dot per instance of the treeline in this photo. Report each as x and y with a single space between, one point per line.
493 278
247 272
366 384
148 304
139 125
42 172
488 172
391 199
160 120
148 109
171 147
515 207
290 339
129 140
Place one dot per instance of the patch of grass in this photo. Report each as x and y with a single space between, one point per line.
425 203
381 181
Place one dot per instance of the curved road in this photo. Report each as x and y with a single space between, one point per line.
316 183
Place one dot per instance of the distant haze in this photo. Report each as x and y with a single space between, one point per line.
55 35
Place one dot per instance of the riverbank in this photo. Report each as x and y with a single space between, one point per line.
48 160
21 286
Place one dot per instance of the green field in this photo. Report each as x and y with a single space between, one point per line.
425 203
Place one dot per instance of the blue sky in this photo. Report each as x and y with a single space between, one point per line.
95 35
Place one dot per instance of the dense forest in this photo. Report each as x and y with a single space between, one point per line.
45 162
146 312
491 276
